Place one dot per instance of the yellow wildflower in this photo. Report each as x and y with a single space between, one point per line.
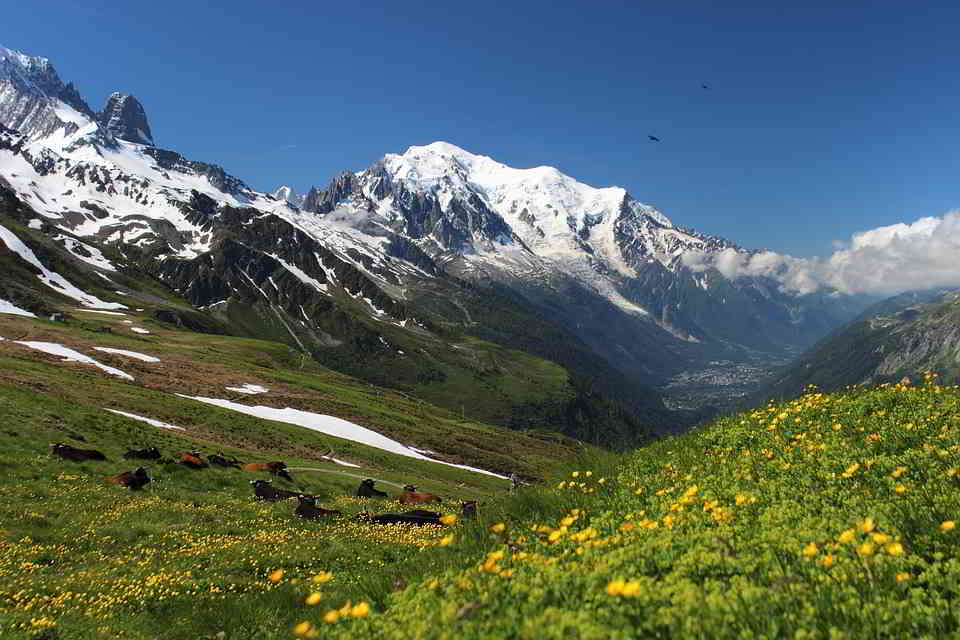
498 528
810 550
867 525
302 629
899 471
948 525
615 588
900 489
275 576
866 549
847 536
446 541
895 549
331 616
314 598
828 560
448 519
322 577
852 469
881 538
903 575
361 610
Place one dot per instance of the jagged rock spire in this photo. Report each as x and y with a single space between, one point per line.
125 118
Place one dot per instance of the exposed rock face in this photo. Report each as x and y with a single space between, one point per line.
124 118
33 99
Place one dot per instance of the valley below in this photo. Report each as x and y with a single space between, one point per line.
721 386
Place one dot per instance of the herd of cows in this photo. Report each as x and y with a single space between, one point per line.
262 489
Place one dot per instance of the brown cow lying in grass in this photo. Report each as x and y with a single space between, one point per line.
308 509
193 460
276 468
73 454
132 480
410 495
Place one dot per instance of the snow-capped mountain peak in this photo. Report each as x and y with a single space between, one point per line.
552 214
287 194
34 100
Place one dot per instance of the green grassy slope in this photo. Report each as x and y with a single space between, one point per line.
828 517
832 516
204 365
80 558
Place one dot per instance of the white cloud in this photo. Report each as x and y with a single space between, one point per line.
885 260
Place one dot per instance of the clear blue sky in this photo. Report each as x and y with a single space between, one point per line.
822 120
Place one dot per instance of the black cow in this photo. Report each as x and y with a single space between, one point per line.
263 491
308 509
366 490
67 452
132 480
151 453
417 517
468 509
220 460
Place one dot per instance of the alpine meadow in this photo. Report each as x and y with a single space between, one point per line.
409 378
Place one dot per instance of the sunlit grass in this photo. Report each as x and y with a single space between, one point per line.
832 516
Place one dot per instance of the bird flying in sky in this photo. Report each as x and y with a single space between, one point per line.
653 138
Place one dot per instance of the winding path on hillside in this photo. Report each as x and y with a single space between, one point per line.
344 473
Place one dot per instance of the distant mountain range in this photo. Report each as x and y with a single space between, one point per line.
387 273
906 335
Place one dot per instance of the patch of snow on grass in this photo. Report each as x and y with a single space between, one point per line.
249 388
129 354
106 313
9 307
150 421
332 426
69 355
341 462
138 330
